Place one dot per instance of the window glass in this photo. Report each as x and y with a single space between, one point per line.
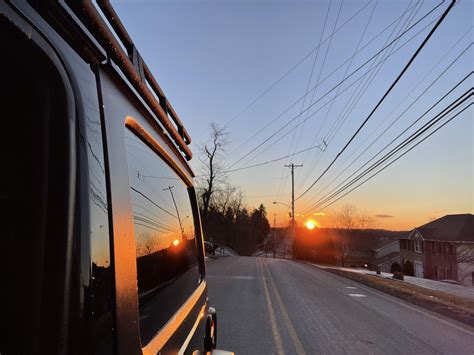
167 263
99 289
418 246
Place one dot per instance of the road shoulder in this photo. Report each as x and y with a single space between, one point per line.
453 306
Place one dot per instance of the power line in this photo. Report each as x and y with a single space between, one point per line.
293 67
435 120
343 90
386 166
153 215
317 54
322 148
430 71
345 115
337 92
334 71
274 160
290 150
404 111
333 88
363 86
153 223
410 139
150 200
319 74
383 97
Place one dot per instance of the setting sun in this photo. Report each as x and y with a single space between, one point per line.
176 242
310 224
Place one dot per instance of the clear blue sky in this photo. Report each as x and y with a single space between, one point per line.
212 58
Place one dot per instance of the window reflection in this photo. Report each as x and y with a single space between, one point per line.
98 291
167 264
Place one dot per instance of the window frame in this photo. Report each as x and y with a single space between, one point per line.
417 246
171 326
146 138
122 106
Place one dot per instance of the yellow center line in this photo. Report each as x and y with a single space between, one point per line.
271 313
291 329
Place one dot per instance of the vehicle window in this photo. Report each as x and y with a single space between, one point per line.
167 263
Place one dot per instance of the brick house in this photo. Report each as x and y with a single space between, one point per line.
373 253
441 250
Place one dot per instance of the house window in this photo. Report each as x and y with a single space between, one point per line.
450 249
403 244
418 246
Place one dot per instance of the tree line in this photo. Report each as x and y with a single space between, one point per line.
226 220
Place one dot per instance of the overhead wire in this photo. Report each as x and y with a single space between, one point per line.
152 202
382 98
386 129
343 90
290 150
396 159
345 115
429 124
406 109
293 67
321 69
361 89
334 87
316 136
330 74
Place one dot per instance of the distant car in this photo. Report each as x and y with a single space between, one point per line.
208 247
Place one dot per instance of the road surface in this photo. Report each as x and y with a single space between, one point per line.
274 306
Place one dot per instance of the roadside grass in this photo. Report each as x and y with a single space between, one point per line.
453 306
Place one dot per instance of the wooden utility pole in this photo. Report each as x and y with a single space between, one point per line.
274 234
293 166
170 188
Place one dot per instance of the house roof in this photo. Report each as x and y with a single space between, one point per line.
455 227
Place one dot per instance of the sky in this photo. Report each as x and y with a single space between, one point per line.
214 59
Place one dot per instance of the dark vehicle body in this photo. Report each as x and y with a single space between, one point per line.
74 93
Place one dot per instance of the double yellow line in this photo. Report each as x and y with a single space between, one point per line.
269 283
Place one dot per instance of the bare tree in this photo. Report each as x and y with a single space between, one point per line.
213 169
228 198
147 243
463 260
346 222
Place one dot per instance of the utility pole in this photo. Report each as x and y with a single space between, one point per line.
293 166
274 234
170 188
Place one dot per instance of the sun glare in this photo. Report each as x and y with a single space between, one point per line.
176 242
310 224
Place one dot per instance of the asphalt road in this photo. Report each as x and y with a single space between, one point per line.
274 306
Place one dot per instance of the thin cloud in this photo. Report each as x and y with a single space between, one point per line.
383 216
319 214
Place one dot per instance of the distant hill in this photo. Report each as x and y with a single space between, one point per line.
379 233
388 233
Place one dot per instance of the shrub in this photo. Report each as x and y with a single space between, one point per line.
398 275
395 267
